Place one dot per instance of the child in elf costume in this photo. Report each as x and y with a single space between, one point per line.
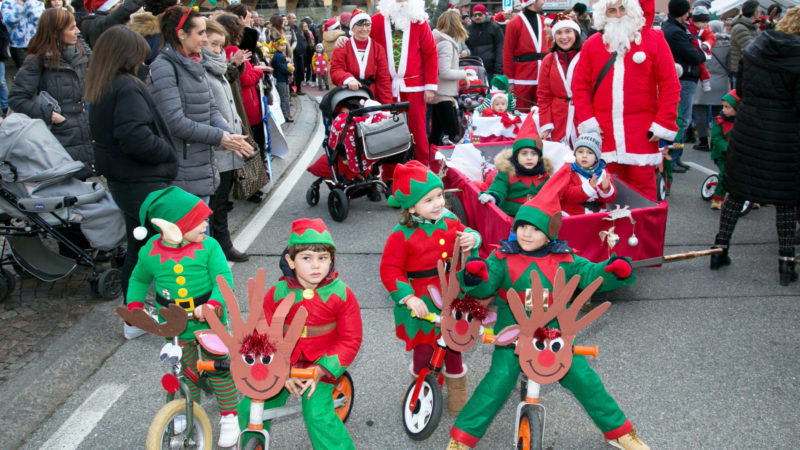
720 137
320 63
590 188
331 337
509 123
498 83
521 173
184 263
426 233
536 249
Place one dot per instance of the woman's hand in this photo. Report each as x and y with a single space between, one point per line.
237 144
240 57
417 306
340 42
466 241
57 118
354 85
429 95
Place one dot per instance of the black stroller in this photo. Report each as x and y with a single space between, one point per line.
386 142
471 93
48 218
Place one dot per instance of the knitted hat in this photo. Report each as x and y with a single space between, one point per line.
527 138
310 231
479 8
700 14
359 15
677 8
344 18
174 205
731 97
704 3
544 210
412 181
592 141
99 5
566 23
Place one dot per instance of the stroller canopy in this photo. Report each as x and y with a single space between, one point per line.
339 95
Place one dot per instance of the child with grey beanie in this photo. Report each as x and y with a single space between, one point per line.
590 186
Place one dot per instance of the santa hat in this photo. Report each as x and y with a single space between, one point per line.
99 5
497 93
358 16
592 141
310 231
544 210
550 18
565 23
173 205
731 97
344 18
412 181
527 138
330 24
500 18
526 3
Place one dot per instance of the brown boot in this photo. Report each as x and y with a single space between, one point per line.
455 445
456 391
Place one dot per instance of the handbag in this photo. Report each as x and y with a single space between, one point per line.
251 177
385 138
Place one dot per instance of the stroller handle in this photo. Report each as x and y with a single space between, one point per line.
393 107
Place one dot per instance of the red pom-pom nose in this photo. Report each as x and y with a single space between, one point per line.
547 358
462 326
259 371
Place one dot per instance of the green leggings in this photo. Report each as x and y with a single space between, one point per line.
325 428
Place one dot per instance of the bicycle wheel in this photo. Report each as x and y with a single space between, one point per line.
423 420
707 189
345 391
162 433
254 443
529 430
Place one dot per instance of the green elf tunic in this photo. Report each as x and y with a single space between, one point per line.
720 137
510 268
512 190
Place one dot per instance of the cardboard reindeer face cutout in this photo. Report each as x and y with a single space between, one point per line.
260 352
545 354
461 317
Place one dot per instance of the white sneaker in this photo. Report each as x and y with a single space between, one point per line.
228 431
706 85
131 332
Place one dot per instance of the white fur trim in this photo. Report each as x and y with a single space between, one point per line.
526 82
639 57
526 3
634 159
662 132
431 87
566 23
344 83
600 189
588 125
108 5
546 127
590 192
414 89
618 105
359 17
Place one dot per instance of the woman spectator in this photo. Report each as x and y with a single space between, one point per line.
444 117
21 18
308 72
183 96
277 23
362 62
59 4
708 104
764 151
556 111
132 143
216 67
50 83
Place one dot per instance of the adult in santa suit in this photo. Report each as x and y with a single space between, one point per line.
636 102
523 50
362 61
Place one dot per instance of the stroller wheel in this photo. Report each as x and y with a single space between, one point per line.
109 284
7 284
312 195
338 204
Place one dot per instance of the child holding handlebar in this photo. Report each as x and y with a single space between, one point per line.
426 233
536 249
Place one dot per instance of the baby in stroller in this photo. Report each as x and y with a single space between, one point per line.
50 220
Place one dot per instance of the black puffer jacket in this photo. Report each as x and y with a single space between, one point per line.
64 82
682 49
486 40
764 153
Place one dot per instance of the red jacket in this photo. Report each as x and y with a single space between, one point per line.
555 94
418 69
578 191
249 80
344 68
519 41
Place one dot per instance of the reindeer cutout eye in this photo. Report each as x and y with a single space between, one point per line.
457 314
539 345
266 359
249 359
556 345
468 317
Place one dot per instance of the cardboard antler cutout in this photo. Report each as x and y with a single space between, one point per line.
461 317
259 350
545 354
174 316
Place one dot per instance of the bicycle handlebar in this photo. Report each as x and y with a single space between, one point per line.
585 350
220 366
304 373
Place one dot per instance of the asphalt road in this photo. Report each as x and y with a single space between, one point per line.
696 359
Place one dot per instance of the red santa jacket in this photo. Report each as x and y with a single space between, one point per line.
419 62
345 66
705 36
638 95
520 40
578 191
556 111
249 80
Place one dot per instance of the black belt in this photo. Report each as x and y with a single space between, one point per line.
428 273
528 57
593 206
190 303
366 81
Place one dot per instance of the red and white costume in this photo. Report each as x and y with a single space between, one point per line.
417 71
520 40
347 65
556 110
578 192
320 63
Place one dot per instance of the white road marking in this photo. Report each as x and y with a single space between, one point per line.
703 169
83 420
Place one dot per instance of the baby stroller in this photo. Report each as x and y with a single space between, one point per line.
48 218
471 93
375 135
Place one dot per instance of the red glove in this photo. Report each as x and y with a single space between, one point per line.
619 267
477 268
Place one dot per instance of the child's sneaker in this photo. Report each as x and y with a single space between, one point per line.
455 445
716 204
629 442
131 332
228 430
706 85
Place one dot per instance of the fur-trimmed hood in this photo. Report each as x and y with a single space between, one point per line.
503 163
145 24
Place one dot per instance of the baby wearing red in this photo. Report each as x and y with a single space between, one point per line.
586 191
499 108
703 39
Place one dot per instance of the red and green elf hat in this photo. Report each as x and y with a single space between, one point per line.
310 231
731 98
411 182
528 137
544 210
174 205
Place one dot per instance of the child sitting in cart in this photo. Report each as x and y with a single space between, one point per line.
521 173
331 337
508 124
426 233
590 187
184 263
536 249
720 137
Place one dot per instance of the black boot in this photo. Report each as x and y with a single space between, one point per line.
720 259
690 133
786 269
702 145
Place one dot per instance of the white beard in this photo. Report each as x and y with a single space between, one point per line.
619 32
402 14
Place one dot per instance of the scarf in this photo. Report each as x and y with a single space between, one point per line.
216 64
726 123
538 169
596 169
554 247
196 57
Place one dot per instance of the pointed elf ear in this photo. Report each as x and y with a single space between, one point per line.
169 231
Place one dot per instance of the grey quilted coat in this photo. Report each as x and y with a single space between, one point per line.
64 82
183 97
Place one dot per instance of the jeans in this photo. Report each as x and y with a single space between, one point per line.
283 93
3 88
688 89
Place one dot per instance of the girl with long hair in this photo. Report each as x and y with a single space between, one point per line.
448 34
